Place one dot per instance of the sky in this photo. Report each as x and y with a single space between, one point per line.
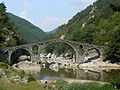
46 14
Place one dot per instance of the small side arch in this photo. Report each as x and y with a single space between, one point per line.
92 54
15 56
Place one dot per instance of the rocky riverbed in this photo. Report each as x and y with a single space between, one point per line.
56 64
27 66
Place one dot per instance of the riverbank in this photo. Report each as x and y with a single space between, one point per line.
69 84
27 66
19 80
95 64
71 80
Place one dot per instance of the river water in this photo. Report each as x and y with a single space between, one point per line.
81 74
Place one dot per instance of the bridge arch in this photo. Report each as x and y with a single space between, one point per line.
62 41
65 42
92 54
17 53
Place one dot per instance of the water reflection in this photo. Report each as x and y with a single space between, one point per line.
82 74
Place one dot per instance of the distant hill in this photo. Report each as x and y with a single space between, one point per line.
29 31
52 31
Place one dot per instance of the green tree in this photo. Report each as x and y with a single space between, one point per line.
113 51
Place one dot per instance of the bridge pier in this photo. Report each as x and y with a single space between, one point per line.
9 56
79 58
35 58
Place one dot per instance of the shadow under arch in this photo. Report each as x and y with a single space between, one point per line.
15 55
66 43
92 54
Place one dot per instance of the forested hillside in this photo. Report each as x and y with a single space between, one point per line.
8 34
26 29
98 24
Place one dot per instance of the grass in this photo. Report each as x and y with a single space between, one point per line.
8 72
63 85
34 85
3 65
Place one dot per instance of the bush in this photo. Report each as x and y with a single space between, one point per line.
21 74
115 84
30 78
62 85
3 65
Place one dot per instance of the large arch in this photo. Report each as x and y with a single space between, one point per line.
15 55
62 41
65 42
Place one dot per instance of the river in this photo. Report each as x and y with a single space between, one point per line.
81 74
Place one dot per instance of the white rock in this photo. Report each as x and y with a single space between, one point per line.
62 36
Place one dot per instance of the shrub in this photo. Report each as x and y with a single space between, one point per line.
22 74
3 65
30 78
116 84
62 85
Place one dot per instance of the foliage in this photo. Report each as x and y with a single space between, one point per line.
8 34
64 85
30 78
98 24
3 65
116 84
4 85
108 34
27 29
59 49
10 25
9 71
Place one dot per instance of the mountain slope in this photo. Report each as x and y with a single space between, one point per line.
8 34
97 24
29 31
83 26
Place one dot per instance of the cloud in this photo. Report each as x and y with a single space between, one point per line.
49 23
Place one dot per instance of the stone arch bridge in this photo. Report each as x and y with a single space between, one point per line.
79 48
